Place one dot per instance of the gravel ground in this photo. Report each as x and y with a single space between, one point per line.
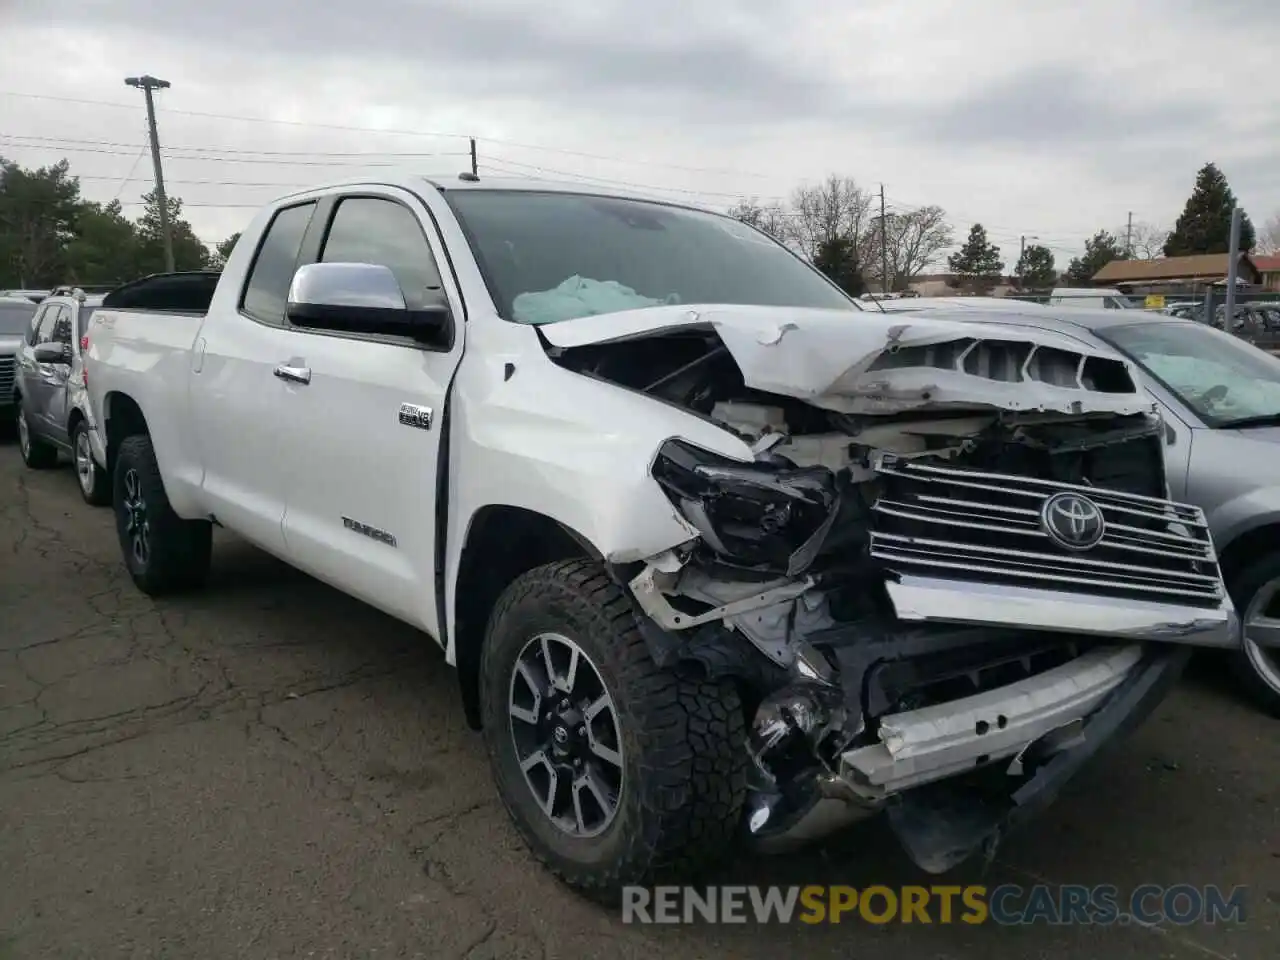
270 769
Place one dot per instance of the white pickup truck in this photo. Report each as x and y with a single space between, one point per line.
721 558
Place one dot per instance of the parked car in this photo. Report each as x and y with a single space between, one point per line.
35 296
720 556
1220 400
1107 298
15 324
54 413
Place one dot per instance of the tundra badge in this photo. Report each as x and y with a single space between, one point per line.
412 415
372 532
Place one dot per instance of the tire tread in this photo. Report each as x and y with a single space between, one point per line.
180 549
692 732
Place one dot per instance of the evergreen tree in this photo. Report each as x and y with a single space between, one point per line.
1205 224
222 251
189 251
838 259
1035 269
977 266
1099 250
105 248
38 213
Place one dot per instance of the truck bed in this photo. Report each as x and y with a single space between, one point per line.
145 355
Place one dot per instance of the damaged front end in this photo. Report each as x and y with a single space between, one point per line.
953 560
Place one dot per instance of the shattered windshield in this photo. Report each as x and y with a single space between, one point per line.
1221 377
549 257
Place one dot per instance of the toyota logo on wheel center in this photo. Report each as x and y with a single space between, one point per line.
1073 521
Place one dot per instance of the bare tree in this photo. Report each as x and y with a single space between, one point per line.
1269 237
771 219
1146 241
912 241
837 208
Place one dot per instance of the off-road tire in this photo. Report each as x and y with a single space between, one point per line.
36 454
1243 585
99 494
179 550
685 762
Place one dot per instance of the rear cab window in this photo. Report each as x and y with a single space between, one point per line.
266 288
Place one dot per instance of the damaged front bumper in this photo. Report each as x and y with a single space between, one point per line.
940 741
954 776
951 661
943 824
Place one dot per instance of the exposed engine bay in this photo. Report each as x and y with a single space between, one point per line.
948 557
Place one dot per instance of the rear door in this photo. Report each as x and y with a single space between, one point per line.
56 409
43 384
360 506
236 399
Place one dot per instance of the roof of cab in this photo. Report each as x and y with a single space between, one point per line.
456 182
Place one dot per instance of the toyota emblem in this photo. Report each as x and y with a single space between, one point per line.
1073 521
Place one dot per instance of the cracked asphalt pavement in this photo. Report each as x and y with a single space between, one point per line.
271 769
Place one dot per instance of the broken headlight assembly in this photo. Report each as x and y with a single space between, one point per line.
767 516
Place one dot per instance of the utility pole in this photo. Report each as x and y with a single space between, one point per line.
475 166
1128 237
884 247
147 84
1022 247
1233 269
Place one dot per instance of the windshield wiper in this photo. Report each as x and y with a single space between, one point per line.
1241 423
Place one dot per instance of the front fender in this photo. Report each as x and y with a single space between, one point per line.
567 447
1239 516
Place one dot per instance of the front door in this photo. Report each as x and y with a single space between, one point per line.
361 483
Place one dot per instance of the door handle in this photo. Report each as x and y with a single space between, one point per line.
293 374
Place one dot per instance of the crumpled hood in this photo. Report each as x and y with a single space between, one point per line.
873 363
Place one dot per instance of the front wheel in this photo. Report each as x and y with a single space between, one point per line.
1255 591
95 485
163 552
614 771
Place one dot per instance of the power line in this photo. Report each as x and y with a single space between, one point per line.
395 132
496 164
128 176
212 156
209 183
228 150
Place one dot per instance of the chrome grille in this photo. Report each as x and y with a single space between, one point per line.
966 524
6 379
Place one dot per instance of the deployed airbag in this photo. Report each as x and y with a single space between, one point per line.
578 297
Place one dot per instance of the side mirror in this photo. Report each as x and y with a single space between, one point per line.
52 352
361 298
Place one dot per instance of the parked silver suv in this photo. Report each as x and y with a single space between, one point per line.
53 406
15 325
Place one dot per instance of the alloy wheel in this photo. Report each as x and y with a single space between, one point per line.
567 737
137 527
85 467
1262 618
24 435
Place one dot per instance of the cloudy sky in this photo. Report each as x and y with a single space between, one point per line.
1047 120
